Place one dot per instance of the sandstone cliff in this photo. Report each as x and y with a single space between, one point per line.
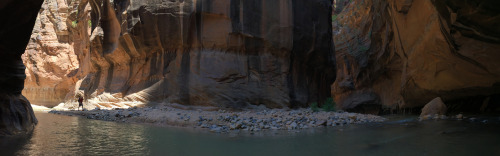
404 53
50 57
224 53
18 18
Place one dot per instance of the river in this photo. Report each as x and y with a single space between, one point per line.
401 135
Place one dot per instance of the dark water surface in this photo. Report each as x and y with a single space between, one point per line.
63 135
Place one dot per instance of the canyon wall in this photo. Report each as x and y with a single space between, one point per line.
404 53
224 53
18 18
50 59
231 53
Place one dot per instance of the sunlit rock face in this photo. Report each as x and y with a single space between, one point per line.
18 18
404 53
50 59
224 53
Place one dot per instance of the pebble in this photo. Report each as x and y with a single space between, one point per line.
216 129
443 117
293 125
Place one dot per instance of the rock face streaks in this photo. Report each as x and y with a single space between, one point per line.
50 59
402 54
18 18
224 53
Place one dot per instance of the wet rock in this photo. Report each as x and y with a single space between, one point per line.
267 127
237 125
293 125
216 129
435 116
128 114
322 123
443 117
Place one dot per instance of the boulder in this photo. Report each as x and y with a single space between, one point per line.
435 106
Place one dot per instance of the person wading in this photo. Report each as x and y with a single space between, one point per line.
80 102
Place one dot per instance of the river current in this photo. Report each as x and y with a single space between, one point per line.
401 135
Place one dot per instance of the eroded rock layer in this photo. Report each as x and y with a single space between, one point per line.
402 54
50 55
18 18
224 53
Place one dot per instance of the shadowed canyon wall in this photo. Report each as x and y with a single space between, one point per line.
404 53
224 53
18 18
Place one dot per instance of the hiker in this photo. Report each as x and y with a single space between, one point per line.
80 102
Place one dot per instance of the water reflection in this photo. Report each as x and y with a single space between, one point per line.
62 135
77 136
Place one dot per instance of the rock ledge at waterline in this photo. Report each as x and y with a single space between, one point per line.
224 120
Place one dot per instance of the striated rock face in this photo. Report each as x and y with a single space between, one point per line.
18 18
50 59
224 53
403 53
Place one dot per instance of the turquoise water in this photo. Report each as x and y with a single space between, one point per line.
64 135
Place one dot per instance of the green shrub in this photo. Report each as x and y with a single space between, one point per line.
74 24
334 18
328 106
314 107
90 23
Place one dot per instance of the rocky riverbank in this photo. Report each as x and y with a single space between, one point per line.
218 121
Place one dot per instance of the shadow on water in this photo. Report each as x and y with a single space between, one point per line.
12 144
